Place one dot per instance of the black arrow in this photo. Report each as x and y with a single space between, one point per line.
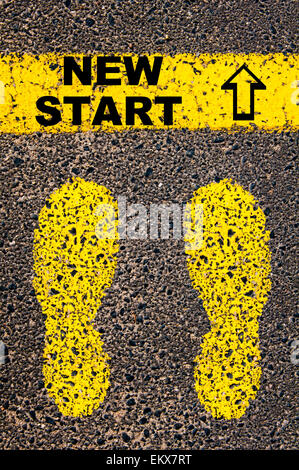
231 85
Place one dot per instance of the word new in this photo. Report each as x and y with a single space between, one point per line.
109 73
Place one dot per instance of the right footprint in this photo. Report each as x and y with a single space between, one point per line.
230 268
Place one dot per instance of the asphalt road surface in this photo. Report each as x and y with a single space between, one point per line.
151 319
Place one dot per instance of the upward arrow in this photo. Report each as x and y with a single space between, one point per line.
243 83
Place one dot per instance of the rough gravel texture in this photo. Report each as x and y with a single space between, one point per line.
151 319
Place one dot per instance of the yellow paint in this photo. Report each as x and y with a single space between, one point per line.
73 267
231 272
295 94
2 93
197 79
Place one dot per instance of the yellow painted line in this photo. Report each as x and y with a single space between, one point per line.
231 272
196 79
73 267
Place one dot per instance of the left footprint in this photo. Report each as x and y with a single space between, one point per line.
73 266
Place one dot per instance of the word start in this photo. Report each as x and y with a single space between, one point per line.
106 110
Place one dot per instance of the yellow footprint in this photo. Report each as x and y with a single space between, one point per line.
230 269
73 266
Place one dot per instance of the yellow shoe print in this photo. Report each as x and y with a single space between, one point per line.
73 266
230 268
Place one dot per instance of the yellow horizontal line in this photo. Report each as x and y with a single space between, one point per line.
24 79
